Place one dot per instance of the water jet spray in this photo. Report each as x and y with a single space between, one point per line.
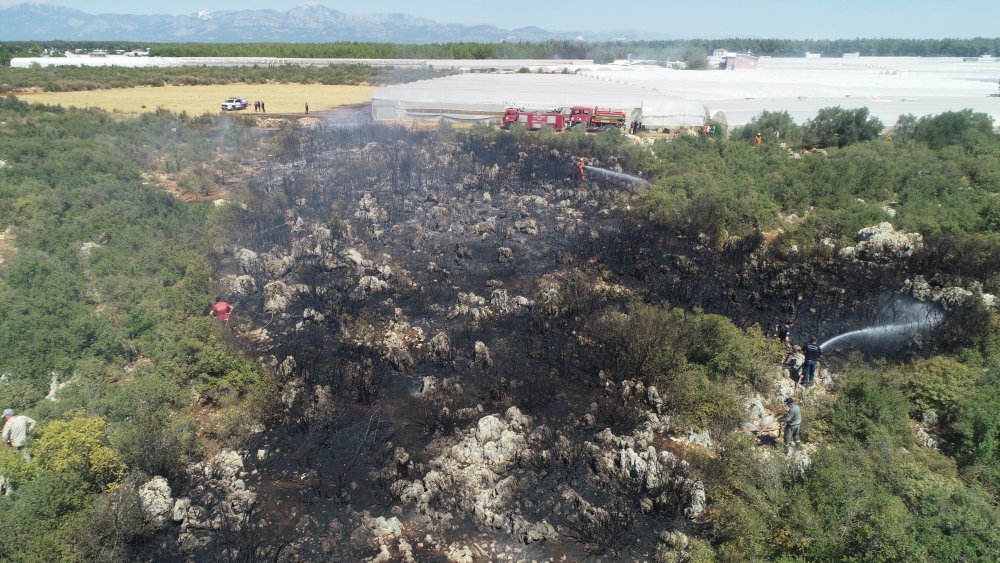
901 322
619 175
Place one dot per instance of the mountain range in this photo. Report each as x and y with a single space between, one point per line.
311 23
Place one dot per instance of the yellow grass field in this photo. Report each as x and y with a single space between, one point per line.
197 100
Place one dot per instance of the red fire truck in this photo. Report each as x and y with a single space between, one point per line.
556 119
595 118
591 118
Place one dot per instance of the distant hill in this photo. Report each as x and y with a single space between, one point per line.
305 24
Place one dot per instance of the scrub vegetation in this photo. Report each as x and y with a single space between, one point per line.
106 280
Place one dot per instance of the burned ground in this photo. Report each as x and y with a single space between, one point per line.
434 305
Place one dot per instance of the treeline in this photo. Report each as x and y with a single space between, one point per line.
72 78
554 49
590 50
105 285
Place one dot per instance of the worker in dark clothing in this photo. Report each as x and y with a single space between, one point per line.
785 332
580 164
792 419
307 109
813 352
794 362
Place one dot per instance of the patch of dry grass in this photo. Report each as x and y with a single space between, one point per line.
197 100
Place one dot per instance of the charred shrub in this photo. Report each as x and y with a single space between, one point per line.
967 325
558 457
361 378
536 392
602 530
621 416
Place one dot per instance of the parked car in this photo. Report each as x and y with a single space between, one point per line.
234 104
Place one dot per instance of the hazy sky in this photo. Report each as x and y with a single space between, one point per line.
794 19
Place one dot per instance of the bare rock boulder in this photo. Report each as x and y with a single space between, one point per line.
157 500
277 296
883 243
439 347
483 358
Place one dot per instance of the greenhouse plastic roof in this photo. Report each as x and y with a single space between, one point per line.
888 86
484 96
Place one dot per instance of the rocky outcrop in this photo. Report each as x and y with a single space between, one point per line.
883 243
277 296
439 347
949 297
218 500
157 501
242 286
473 476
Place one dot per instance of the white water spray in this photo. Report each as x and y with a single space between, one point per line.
626 177
915 320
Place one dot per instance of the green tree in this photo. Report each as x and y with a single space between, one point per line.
604 58
766 123
952 128
695 58
838 127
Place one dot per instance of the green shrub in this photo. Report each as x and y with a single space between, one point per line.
79 445
870 409
939 383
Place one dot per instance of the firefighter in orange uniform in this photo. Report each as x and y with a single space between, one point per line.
580 164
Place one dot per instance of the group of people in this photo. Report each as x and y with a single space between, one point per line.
259 106
802 365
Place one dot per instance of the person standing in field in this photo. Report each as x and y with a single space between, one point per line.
221 310
792 419
17 428
813 352
307 108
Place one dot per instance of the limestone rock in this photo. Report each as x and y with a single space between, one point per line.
440 347
227 464
699 438
696 504
247 260
883 243
277 296
242 286
180 509
157 500
369 285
